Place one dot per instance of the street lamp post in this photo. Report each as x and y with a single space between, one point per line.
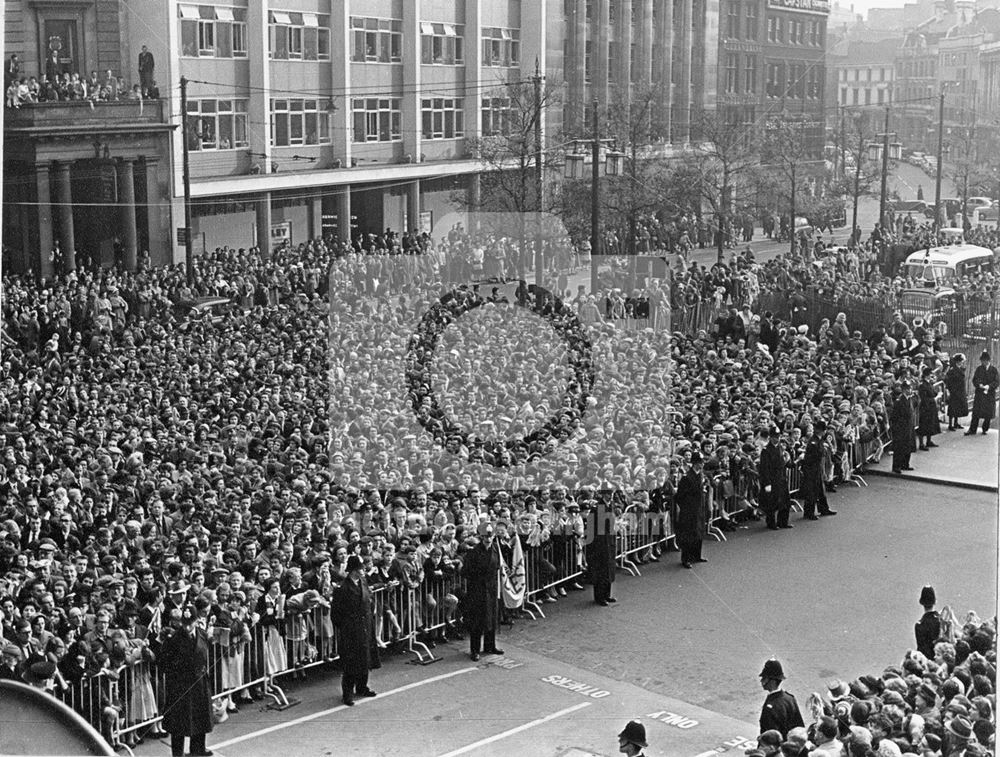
940 155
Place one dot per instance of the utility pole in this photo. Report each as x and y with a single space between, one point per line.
537 80
843 146
188 242
595 201
940 154
857 177
885 168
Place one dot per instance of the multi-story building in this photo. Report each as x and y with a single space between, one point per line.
772 63
866 72
305 115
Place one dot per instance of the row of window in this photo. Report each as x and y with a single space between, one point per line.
212 32
747 83
733 21
298 36
794 32
871 74
442 44
380 119
217 124
797 81
858 99
299 122
921 69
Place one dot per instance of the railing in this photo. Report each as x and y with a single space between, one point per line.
129 699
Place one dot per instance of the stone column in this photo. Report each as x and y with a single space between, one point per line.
413 206
64 192
344 214
264 225
126 197
599 32
160 230
645 57
43 266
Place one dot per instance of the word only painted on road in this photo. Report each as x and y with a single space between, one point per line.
506 663
672 718
580 688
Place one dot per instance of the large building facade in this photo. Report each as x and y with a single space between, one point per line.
312 117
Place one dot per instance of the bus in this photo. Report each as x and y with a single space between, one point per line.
940 266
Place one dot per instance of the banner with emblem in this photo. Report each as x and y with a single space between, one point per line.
514 582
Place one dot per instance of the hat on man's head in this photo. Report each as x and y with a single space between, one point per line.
927 693
771 738
40 672
838 690
927 596
634 733
959 727
985 356
827 726
772 669
354 563
696 458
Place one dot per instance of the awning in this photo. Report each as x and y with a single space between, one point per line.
449 30
426 28
224 14
506 33
280 17
189 11
310 19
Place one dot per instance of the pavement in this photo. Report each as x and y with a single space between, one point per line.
968 462
681 649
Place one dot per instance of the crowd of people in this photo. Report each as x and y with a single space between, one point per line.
232 465
56 84
940 700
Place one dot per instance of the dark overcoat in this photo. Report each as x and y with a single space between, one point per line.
692 508
901 424
811 486
958 398
984 403
183 660
771 472
927 421
600 544
352 611
482 591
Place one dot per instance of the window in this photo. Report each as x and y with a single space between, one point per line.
377 120
212 32
501 47
299 36
588 63
217 124
751 23
443 118
442 44
733 20
750 74
732 73
498 116
881 96
299 122
843 95
814 85
780 29
772 29
376 40
773 80
814 37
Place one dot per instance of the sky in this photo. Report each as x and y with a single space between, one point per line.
862 6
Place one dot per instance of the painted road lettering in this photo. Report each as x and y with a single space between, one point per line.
739 741
506 664
672 718
580 688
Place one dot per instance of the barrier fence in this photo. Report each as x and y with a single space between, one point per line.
128 698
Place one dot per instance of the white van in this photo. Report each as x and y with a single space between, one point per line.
942 265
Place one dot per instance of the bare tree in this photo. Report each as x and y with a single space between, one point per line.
786 156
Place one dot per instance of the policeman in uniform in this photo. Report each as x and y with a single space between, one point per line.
928 628
632 740
780 711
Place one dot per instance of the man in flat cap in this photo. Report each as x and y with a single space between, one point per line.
985 380
632 739
780 711
482 574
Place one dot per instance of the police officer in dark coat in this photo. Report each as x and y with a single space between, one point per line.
812 487
599 550
986 379
183 661
482 592
901 426
780 711
353 613
774 499
692 512
928 628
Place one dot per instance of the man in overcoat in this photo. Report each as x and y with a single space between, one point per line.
353 613
774 499
985 380
812 488
183 660
901 426
692 512
599 550
482 593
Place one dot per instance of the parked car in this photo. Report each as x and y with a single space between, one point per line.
983 326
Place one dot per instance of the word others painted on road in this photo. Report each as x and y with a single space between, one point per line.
580 688
671 718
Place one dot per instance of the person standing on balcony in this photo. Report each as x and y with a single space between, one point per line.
146 66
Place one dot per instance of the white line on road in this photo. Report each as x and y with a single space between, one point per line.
483 742
323 713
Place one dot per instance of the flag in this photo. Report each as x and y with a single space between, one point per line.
513 583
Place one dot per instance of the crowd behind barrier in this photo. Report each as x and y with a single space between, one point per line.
152 457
